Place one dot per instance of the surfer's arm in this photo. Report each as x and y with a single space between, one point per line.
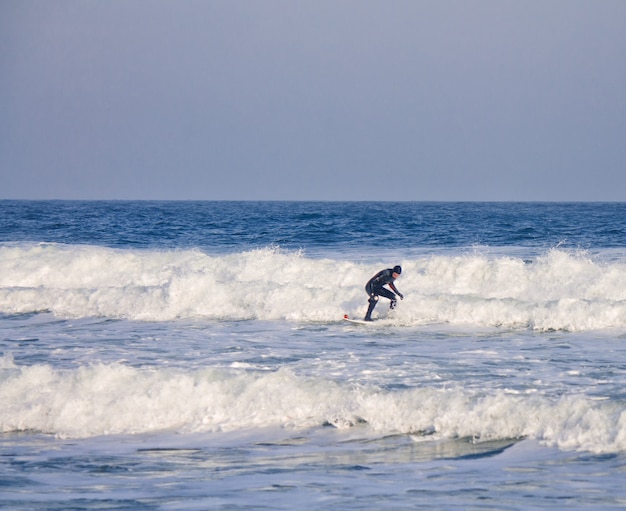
395 290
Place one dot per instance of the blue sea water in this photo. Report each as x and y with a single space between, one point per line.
192 355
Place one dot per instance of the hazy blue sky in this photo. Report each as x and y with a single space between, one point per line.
313 99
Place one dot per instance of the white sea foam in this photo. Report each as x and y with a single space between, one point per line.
558 290
115 399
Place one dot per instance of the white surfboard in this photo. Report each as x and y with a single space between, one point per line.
356 321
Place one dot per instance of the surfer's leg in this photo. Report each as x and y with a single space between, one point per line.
372 303
391 296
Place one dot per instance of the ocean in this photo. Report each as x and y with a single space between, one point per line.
193 356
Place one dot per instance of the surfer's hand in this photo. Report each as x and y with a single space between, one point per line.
401 296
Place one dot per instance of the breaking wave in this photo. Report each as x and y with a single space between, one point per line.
558 290
107 399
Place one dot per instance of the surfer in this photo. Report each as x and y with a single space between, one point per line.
374 288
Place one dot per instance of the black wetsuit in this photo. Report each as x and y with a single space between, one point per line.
374 288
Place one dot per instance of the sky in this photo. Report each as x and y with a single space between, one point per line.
407 100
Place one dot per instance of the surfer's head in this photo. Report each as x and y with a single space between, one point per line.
397 270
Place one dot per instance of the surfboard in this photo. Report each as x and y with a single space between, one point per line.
356 321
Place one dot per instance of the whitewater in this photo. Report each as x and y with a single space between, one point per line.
558 290
192 356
